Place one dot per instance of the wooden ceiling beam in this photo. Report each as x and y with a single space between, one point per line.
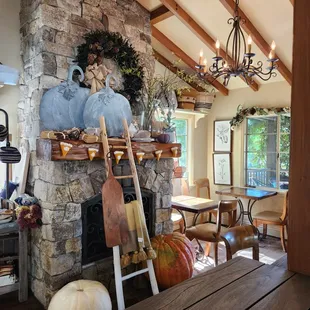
257 38
190 23
165 62
160 14
185 58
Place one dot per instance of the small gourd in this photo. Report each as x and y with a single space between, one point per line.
114 107
62 106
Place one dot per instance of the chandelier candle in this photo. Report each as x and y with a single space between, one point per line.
273 48
217 45
205 68
201 57
249 44
241 63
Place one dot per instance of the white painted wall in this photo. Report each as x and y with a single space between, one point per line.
9 55
269 95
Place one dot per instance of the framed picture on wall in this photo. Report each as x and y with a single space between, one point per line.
222 170
222 136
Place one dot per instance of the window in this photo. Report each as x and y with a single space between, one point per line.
267 151
182 137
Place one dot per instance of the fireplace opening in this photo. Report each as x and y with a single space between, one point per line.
93 238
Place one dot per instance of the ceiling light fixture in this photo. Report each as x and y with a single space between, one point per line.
241 62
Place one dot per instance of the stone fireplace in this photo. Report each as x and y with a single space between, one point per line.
50 32
65 189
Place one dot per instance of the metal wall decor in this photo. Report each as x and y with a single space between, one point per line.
241 63
8 154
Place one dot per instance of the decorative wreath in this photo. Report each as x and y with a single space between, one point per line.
243 113
111 45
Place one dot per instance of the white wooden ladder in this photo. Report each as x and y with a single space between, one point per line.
116 249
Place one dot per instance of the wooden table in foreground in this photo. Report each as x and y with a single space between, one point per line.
252 194
192 204
240 284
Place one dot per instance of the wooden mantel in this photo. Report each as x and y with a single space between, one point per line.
50 149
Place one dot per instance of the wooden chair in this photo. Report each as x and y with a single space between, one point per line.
205 183
176 217
274 218
239 238
211 233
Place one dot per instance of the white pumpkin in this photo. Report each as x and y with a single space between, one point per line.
82 295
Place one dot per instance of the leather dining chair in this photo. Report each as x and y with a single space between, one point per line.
240 238
210 232
274 218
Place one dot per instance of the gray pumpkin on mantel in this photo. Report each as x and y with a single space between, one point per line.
62 107
114 107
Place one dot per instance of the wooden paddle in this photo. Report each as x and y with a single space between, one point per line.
114 214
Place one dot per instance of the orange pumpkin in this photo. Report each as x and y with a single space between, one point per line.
175 259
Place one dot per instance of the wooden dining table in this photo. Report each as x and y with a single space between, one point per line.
196 205
240 283
252 194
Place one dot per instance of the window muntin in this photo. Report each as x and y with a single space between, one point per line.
267 151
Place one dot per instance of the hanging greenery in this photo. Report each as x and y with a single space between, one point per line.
243 113
104 44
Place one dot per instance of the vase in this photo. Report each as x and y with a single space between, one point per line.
172 135
138 118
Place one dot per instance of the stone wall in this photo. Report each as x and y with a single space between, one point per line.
61 187
50 32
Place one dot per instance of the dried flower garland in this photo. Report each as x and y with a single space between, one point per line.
111 45
29 214
243 113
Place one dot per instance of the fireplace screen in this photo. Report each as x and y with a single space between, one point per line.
93 239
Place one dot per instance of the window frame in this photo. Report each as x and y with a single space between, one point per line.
278 153
189 166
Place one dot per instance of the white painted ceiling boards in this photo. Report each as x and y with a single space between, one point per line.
272 18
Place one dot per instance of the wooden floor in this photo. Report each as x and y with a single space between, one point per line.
10 302
270 251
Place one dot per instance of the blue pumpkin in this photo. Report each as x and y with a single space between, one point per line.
114 107
62 106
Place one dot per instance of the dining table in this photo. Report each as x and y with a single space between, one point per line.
252 194
196 205
240 283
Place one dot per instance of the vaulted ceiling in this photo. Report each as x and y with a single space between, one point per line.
191 25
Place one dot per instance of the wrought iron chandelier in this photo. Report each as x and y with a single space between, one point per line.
241 62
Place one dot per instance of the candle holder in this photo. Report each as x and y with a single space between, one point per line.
118 155
158 154
139 156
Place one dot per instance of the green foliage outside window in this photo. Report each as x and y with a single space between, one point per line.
267 142
182 137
